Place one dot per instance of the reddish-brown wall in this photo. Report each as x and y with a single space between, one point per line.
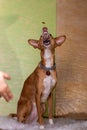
71 58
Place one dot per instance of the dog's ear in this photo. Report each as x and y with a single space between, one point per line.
33 43
59 40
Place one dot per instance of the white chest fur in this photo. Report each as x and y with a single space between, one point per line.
48 83
47 57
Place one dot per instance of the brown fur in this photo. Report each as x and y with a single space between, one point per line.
33 87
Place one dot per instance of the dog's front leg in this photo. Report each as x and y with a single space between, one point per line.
38 103
50 109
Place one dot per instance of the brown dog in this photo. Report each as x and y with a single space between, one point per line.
39 85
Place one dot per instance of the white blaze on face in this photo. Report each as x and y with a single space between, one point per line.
47 57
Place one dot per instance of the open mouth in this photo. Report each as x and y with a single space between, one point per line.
46 42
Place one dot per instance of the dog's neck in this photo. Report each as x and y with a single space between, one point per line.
47 59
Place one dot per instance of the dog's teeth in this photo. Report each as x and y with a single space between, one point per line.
41 127
51 122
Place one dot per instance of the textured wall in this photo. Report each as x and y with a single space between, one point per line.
71 57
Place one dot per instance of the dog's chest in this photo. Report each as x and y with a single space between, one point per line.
48 83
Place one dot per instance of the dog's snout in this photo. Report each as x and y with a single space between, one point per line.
45 33
45 29
45 36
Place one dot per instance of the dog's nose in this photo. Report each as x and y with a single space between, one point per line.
45 30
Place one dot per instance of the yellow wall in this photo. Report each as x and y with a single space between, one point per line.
19 21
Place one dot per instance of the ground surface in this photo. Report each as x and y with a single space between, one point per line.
59 124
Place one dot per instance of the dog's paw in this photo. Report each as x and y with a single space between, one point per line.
42 127
51 121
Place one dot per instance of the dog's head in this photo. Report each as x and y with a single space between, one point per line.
47 41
